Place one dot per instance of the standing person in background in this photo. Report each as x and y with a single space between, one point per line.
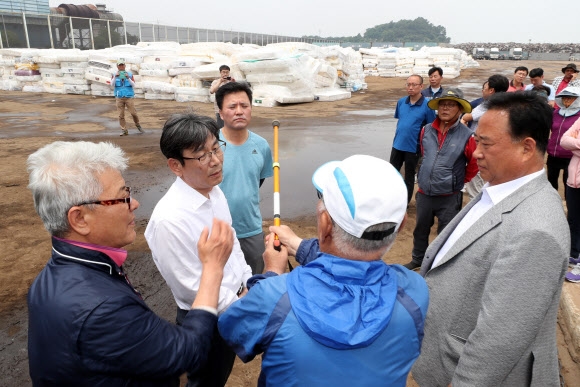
123 82
413 113
215 85
195 155
447 147
537 79
247 163
87 325
571 141
495 84
434 90
563 81
565 114
517 84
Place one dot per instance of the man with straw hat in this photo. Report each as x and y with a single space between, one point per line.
447 147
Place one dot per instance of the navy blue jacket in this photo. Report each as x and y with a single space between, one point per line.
89 327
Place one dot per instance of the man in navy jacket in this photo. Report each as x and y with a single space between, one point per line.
88 326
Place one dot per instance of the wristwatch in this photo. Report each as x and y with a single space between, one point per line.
240 290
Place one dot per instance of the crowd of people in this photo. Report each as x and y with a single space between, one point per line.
475 307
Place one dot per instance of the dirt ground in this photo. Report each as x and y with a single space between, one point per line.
29 121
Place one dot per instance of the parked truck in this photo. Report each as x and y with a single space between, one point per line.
494 53
478 53
516 53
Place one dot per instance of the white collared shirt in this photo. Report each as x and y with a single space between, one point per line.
172 234
490 196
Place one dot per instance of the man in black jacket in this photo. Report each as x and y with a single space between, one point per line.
88 326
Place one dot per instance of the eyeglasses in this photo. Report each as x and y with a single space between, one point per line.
206 157
319 194
111 202
412 84
449 105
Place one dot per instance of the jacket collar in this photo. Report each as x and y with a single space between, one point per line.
97 260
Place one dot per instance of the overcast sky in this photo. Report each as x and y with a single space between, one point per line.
466 21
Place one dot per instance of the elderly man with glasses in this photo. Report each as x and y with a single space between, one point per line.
195 155
87 324
447 148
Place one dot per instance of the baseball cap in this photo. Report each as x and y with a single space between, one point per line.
362 191
120 62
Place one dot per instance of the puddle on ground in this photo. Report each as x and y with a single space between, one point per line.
376 113
304 145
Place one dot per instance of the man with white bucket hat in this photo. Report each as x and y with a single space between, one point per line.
344 310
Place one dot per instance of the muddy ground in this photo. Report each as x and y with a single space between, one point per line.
28 121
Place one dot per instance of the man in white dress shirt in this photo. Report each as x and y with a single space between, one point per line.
495 272
195 155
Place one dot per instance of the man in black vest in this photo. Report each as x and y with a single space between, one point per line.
447 147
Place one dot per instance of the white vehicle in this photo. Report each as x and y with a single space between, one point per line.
516 53
478 53
494 53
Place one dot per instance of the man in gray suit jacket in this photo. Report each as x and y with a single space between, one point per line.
495 272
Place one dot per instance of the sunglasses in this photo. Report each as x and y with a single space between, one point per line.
112 202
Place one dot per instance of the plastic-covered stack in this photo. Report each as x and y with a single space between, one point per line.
279 73
402 62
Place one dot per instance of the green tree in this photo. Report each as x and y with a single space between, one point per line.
418 30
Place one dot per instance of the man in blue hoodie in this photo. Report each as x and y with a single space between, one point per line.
344 317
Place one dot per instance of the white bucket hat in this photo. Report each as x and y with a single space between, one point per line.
362 191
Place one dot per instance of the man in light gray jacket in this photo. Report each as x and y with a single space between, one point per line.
495 272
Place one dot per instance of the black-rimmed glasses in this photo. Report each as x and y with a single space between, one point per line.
111 202
206 157
319 194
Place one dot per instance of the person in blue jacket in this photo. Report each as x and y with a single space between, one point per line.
124 83
345 317
88 326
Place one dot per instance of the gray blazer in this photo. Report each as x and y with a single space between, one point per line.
494 297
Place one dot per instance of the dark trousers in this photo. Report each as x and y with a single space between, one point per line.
573 204
555 165
428 207
219 121
253 249
410 159
219 363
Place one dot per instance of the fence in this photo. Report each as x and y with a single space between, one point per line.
26 30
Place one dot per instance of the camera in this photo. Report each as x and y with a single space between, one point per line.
122 74
229 78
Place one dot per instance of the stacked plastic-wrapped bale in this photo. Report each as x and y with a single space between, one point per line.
204 60
7 60
352 70
154 70
387 63
423 63
446 58
276 77
467 61
74 75
50 72
99 72
405 62
370 61
187 88
24 74
72 65
197 67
